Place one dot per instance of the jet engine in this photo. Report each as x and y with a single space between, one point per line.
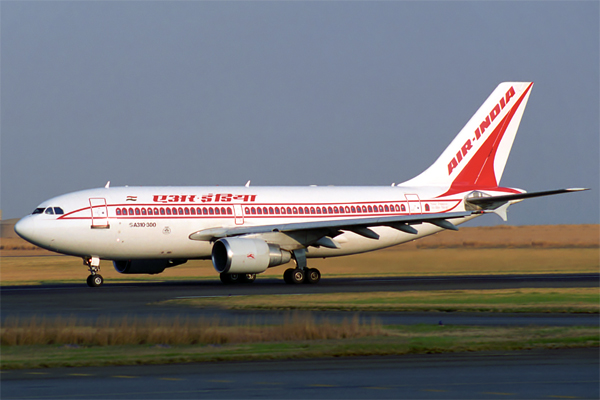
247 256
145 266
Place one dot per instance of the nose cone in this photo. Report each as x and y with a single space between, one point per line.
26 228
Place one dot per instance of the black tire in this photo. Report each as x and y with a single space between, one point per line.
248 278
95 280
230 278
298 275
313 275
287 276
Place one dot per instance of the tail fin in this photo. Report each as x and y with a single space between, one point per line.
477 155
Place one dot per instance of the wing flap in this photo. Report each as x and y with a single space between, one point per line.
357 225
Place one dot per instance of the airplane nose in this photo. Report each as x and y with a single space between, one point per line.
25 228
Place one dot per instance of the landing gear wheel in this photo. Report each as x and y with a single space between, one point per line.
287 276
95 280
248 278
298 275
313 275
230 278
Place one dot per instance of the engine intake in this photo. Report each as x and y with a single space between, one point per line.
145 266
247 256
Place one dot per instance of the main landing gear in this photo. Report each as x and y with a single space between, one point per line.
301 274
93 264
237 278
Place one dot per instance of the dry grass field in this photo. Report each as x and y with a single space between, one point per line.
481 250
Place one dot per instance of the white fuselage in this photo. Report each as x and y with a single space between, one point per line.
125 223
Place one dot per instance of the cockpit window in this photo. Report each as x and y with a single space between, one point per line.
58 211
38 211
49 210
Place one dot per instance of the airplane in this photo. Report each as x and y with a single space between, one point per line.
246 230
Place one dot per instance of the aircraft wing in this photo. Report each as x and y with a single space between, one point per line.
321 232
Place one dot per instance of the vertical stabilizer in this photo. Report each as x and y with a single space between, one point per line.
478 154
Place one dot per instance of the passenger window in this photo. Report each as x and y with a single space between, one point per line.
353 209
137 211
306 210
118 211
370 209
168 211
155 211
228 210
253 210
265 210
247 210
318 210
336 210
131 211
295 210
205 211
271 210
211 211
341 209
180 210
276 210
312 210
192 211
386 208
143 211
150 211
186 211
259 210
289 210
403 207
301 210
330 210
426 207
162 211
347 209
217 211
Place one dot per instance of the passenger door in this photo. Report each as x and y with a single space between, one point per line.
99 213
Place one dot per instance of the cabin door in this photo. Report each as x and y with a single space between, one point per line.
414 203
99 213
239 214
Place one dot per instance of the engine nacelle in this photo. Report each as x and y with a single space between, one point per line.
247 256
145 266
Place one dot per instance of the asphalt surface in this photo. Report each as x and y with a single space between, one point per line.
139 299
572 373
545 374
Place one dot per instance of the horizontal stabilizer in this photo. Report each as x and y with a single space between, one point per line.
492 202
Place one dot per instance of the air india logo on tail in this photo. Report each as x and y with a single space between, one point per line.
479 132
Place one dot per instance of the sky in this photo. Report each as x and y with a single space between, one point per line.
291 93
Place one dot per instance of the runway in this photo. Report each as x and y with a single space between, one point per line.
543 374
571 373
118 299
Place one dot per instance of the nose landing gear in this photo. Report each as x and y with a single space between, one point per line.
93 264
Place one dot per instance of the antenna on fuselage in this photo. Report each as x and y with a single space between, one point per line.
247 184
107 185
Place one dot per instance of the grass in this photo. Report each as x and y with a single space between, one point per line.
176 331
554 300
400 340
391 262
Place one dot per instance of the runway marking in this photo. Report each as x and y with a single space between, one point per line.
433 390
219 381
38 373
81 374
565 397
377 387
171 379
321 385
268 383
125 376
